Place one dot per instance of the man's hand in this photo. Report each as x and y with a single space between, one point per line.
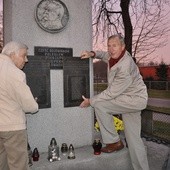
85 103
87 54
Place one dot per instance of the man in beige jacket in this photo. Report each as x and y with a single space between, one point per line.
126 94
16 99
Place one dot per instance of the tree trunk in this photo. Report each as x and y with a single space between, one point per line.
127 24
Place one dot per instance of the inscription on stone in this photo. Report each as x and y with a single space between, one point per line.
76 80
53 55
37 73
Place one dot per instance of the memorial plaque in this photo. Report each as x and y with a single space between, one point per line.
53 55
76 80
37 73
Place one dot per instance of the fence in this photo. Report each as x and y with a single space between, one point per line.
156 126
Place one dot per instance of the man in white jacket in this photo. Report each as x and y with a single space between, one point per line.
16 99
126 94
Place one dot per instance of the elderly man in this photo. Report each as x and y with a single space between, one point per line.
15 100
126 94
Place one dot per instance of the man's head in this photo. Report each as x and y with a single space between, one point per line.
115 45
17 52
54 11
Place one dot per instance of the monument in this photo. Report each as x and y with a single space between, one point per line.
46 24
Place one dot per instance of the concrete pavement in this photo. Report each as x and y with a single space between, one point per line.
159 102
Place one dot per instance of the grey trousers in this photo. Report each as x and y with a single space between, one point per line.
130 108
13 150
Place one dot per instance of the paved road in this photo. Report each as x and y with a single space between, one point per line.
159 102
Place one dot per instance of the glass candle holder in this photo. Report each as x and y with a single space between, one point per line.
71 153
97 145
35 155
64 149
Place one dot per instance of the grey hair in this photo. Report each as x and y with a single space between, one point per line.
119 36
13 47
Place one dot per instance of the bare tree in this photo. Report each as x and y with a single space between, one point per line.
150 28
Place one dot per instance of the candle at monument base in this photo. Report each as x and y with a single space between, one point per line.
64 149
97 145
35 155
53 151
71 153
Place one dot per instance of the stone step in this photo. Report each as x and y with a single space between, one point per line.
86 160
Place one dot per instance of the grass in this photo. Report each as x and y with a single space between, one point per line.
100 87
162 94
161 129
159 109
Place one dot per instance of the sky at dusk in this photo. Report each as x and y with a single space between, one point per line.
162 53
0 5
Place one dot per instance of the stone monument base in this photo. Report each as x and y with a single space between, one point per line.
85 159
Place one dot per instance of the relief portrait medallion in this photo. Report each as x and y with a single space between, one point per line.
52 15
